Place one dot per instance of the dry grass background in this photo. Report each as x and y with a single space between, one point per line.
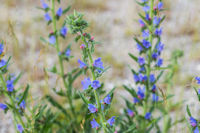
113 22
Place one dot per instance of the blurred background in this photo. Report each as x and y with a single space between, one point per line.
113 23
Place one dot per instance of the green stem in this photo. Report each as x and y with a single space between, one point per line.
60 59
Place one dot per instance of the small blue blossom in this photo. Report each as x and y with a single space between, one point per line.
196 130
146 8
156 20
44 5
86 83
95 84
147 116
52 39
82 46
2 63
153 88
160 5
142 69
145 34
155 55
146 44
152 78
107 99
140 93
20 128
142 24
198 91
158 32
59 12
160 47
136 78
3 106
159 62
193 122
130 112
67 52
22 104
198 80
139 47
1 48
111 121
147 17
142 78
82 64
141 61
135 100
92 108
98 64
94 124
10 86
144 0
47 17
63 31
154 97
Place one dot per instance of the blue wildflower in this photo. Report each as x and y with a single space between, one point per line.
2 63
52 39
146 8
59 12
20 128
136 78
98 64
82 64
82 46
3 106
198 80
153 88
193 122
158 32
22 104
198 91
146 44
95 84
142 69
160 47
1 48
141 61
140 93
155 55
111 121
196 130
47 17
142 24
92 108
145 34
147 17
159 62
139 47
94 124
130 112
107 99
160 5
154 97
135 100
147 116
44 5
152 78
86 83
142 78
9 85
63 31
156 20
67 52
144 0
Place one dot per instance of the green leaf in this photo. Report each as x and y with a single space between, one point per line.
58 1
131 91
25 94
83 98
43 40
66 10
133 57
17 78
77 38
188 111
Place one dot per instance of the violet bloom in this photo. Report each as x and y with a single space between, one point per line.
153 88
155 55
136 78
86 83
9 85
59 12
44 5
147 17
82 64
67 52
159 62
111 121
20 128
82 46
198 91
158 32
98 64
160 47
95 84
141 61
139 47
196 130
193 122
107 99
2 63
160 5
147 116
135 100
198 80
1 48
145 34
146 43
22 104
142 78
146 8
47 17
130 112
92 108
152 78
63 31
154 97
142 24
94 124
140 93
52 39
3 106
156 20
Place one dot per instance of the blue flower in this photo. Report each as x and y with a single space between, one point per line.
44 5
158 32
155 55
147 116
193 122
159 62
22 104
82 46
147 17
20 128
146 8
142 78
95 84
140 93
153 88
98 64
152 78
2 63
130 112
92 108
160 5
156 20
94 124
144 0
52 39
3 106
67 52
141 61
9 85
198 91
135 100
154 97
63 31
198 80
142 69
47 17
107 99
82 64
142 24
59 12
1 48
145 34
136 78
139 47
111 121
196 130
160 47
86 83
146 44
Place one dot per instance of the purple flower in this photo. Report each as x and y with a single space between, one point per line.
160 5
44 5
47 17
3 106
147 116
144 0
158 32
94 124
95 84
198 80
142 78
146 8
52 39
136 78
152 78
198 91
86 83
155 55
63 31
135 100
159 62
2 63
140 93
145 34
193 122
59 12
67 52
22 104
20 128
82 46
111 121
130 112
196 130
142 24
139 47
9 85
146 43
141 61
156 20
107 99
82 64
142 69
154 97
153 88
147 17
92 108
98 64
1 48
160 47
